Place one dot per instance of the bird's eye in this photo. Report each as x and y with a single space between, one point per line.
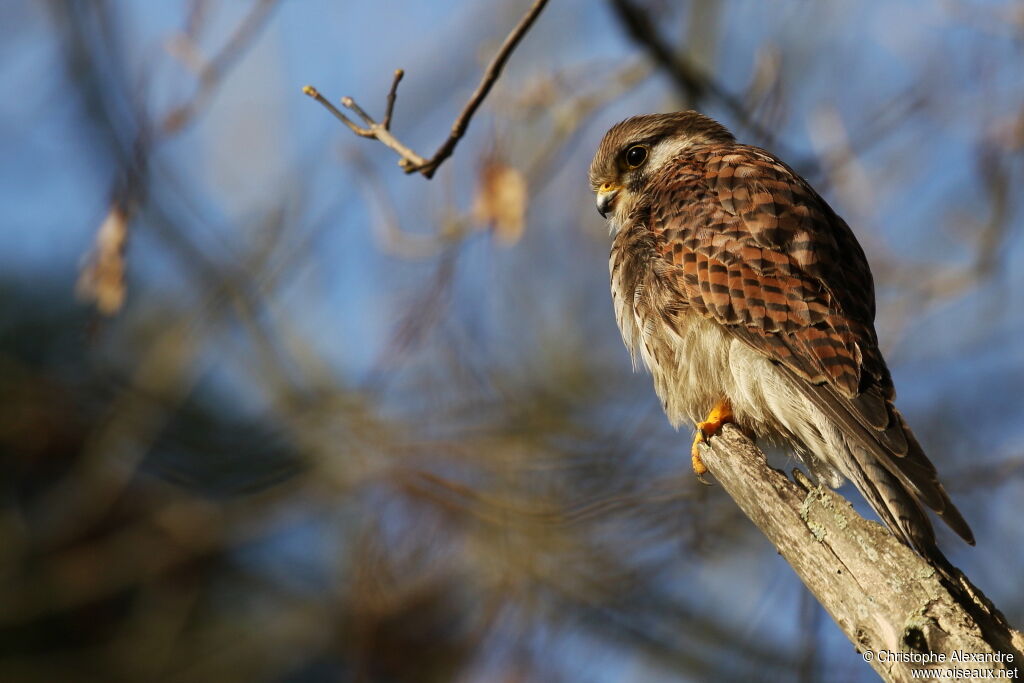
636 155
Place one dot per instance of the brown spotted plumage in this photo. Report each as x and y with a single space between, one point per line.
746 295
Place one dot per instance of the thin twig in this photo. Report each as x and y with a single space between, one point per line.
411 162
391 99
315 94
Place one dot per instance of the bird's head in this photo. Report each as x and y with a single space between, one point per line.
633 152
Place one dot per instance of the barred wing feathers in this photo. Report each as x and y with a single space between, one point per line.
750 245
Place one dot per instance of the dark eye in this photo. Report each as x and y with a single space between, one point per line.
636 155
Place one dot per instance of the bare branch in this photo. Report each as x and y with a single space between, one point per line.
490 76
411 162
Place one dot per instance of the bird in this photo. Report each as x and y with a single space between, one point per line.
750 301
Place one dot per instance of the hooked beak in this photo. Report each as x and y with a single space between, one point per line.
605 198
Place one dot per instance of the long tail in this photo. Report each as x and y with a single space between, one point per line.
899 486
887 465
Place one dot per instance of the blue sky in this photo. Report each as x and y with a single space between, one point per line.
260 138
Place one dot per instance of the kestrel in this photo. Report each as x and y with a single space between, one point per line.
750 301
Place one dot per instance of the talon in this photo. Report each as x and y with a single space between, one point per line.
699 468
721 414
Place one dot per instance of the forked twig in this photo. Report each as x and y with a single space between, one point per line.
411 162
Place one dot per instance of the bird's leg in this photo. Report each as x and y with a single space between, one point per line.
719 415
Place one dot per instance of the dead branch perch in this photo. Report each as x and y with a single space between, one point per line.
410 161
880 593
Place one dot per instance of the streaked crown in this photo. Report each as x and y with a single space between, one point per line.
649 129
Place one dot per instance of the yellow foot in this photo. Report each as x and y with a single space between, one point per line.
719 415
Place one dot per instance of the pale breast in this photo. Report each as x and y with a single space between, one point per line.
695 363
689 362
687 355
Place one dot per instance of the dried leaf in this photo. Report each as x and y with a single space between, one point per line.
501 201
102 278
